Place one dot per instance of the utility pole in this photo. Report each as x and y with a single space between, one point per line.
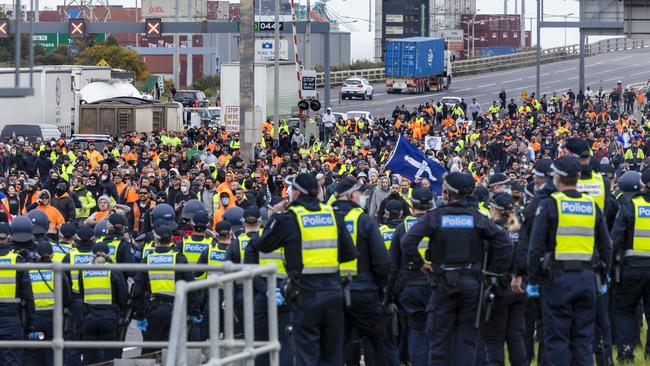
177 55
505 7
276 72
369 16
188 58
538 57
522 34
308 38
246 79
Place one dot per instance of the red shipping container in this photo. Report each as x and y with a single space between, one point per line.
213 8
233 13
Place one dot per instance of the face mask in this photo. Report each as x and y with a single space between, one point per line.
225 201
183 189
362 201
508 190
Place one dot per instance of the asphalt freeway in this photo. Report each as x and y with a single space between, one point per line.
600 70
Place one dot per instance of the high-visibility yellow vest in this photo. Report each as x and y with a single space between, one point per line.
193 249
409 221
629 155
387 233
59 251
77 257
352 226
641 241
594 187
148 249
484 210
575 227
43 288
112 248
319 239
215 201
277 257
162 282
8 280
216 256
242 239
97 287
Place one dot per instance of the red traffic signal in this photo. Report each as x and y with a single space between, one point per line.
154 27
77 28
4 28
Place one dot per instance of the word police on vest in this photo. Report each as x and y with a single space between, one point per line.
644 212
349 225
388 235
102 273
218 256
83 259
196 248
315 220
577 208
161 259
40 277
457 221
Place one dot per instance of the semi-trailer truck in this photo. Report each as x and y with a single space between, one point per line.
416 65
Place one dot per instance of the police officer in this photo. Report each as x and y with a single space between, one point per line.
189 209
543 188
480 200
252 220
43 289
460 240
416 290
499 182
81 253
41 224
252 255
506 323
166 213
393 217
630 239
629 184
104 293
65 242
120 250
568 236
153 295
15 289
314 242
198 242
365 277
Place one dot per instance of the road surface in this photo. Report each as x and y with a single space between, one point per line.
600 70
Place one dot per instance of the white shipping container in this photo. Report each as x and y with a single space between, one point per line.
54 100
263 90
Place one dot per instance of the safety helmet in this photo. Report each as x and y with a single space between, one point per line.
165 212
39 220
234 216
630 181
21 229
190 208
101 228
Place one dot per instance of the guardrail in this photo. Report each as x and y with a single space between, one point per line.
177 344
520 59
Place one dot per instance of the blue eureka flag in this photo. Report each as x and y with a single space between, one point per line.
409 162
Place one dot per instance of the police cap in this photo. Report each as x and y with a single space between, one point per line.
304 183
44 248
481 192
567 166
252 215
630 181
101 247
5 230
200 218
234 215
190 208
459 183
577 147
543 168
498 179
100 228
21 229
393 206
223 227
645 176
117 220
421 195
162 232
85 233
502 201
68 230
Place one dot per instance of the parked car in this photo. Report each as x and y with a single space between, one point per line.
356 87
83 140
30 132
189 98
450 101
215 116
366 115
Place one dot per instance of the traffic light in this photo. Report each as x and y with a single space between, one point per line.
306 104
154 27
77 28
303 105
4 28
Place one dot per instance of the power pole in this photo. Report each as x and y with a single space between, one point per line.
522 34
505 7
177 55
538 57
276 71
246 79
308 38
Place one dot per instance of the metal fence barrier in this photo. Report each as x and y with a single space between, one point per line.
177 345
493 63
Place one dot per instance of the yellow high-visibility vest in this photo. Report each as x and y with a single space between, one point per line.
59 251
43 288
641 241
162 282
193 249
594 187
77 257
387 233
409 221
575 227
352 226
319 239
97 287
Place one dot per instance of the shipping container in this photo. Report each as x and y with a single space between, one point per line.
128 114
415 57
496 51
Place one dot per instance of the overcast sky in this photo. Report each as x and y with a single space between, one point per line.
362 41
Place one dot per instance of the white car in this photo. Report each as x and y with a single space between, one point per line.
356 87
366 115
450 101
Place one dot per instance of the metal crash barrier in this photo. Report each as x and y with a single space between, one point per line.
222 350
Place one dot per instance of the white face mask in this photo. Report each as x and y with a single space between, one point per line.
183 189
362 201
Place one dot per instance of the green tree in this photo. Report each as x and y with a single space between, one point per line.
59 56
111 40
116 56
209 84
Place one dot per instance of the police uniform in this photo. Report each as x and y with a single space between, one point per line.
103 292
460 237
631 244
570 228
153 295
120 250
365 277
314 243
42 281
14 289
412 286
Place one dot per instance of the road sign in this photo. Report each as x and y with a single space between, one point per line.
308 84
154 28
232 119
77 28
266 27
103 62
4 28
524 94
265 50
50 41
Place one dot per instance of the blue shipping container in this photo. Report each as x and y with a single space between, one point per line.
414 57
497 51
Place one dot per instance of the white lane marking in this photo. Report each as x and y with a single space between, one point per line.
510 81
572 78
597 63
621 58
564 70
544 74
553 82
483 86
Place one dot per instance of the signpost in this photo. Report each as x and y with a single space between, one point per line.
4 28
232 119
154 28
265 50
308 83
50 41
77 28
